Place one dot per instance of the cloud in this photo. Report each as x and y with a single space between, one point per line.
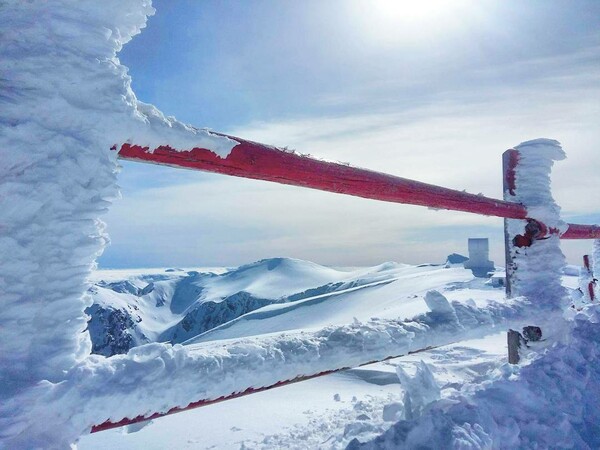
212 220
454 138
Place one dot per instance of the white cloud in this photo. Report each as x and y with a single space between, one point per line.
455 142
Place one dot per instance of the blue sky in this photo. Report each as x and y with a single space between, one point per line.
433 91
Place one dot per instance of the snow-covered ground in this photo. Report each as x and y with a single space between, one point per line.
326 412
330 411
273 295
67 104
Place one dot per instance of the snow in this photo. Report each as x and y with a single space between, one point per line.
538 268
595 265
175 305
395 292
550 403
274 278
66 101
306 415
164 376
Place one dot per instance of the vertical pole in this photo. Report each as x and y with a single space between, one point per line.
510 159
589 276
595 266
514 343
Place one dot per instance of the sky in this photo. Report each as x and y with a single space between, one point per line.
432 90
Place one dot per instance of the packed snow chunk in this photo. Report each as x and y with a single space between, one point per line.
419 390
393 412
162 130
438 304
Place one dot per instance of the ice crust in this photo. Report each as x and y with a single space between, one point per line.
538 267
65 100
156 377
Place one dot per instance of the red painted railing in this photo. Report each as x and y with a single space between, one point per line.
262 162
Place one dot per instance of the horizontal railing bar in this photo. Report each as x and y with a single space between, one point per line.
108 425
576 231
262 162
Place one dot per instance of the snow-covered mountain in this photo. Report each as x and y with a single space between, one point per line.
175 305
278 294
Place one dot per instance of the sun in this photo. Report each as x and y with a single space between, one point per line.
396 22
412 9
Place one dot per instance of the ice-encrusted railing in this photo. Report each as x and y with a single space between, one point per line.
66 101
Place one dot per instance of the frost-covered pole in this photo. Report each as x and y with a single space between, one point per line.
65 99
595 265
534 260
61 91
509 165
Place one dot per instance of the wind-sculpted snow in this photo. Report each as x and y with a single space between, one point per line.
65 101
538 267
157 377
551 403
60 81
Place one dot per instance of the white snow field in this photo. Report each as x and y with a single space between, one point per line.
175 305
66 104
361 403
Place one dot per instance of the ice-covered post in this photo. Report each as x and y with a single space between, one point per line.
534 260
64 100
595 267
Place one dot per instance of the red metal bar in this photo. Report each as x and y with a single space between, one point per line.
591 285
262 162
582 232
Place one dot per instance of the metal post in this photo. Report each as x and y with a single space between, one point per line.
510 159
590 276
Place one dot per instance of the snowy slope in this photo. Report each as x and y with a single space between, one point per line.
331 412
131 308
273 295
396 292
